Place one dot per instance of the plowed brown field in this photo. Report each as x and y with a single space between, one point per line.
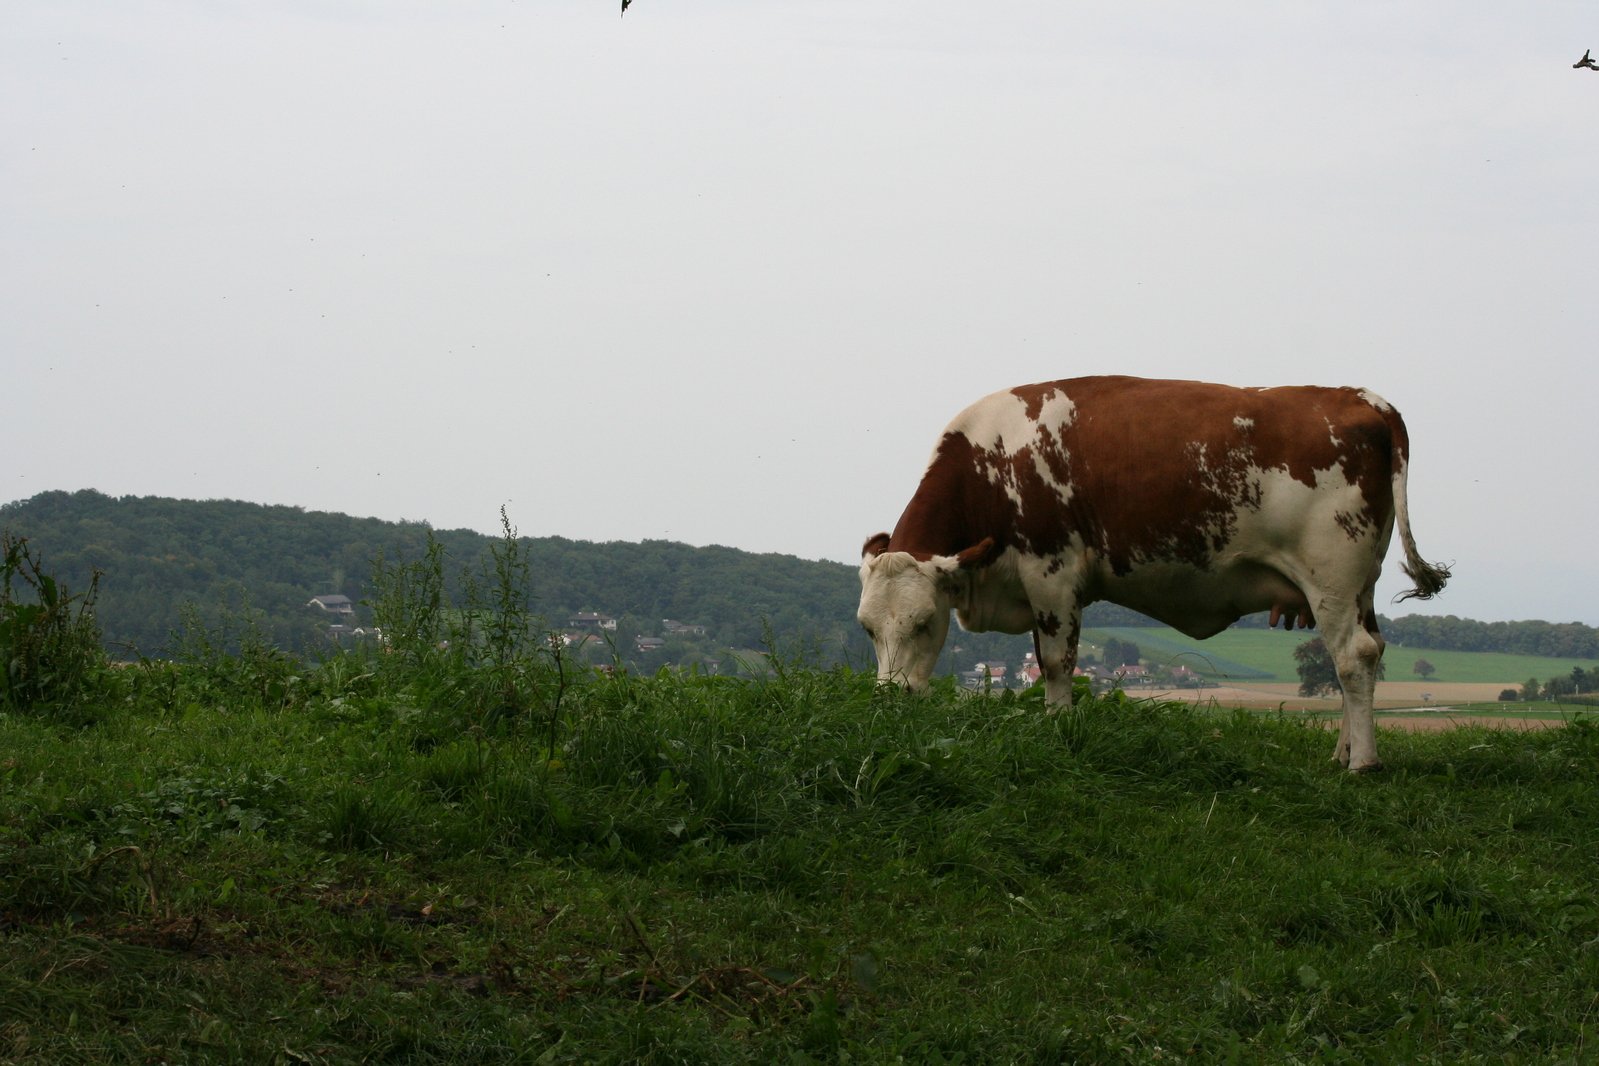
1409 704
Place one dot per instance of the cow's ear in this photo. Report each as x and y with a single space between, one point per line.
980 554
875 545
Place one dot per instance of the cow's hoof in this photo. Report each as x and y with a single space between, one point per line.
1373 767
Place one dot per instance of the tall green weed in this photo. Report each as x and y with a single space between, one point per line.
50 653
483 657
229 657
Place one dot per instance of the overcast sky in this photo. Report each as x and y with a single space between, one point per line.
719 272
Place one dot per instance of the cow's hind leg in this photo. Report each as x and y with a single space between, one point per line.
1352 638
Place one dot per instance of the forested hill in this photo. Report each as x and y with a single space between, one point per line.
158 554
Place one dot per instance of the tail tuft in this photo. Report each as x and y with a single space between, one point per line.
1430 579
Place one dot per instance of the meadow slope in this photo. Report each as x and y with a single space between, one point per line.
409 860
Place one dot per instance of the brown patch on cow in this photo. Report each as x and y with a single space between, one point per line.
1048 623
1036 523
1034 397
980 554
951 510
875 545
1159 469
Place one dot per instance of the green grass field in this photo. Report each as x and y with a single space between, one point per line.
353 864
1264 654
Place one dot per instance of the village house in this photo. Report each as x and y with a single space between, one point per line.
1132 673
334 605
681 629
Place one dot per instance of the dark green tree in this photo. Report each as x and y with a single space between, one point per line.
1314 664
1424 669
1317 672
1121 653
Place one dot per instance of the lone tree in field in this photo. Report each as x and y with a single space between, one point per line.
1317 674
1424 669
1121 653
1315 668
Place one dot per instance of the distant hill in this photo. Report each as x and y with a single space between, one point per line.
159 554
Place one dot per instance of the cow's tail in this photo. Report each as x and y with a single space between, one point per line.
1429 578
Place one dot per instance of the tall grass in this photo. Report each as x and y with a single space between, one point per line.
708 869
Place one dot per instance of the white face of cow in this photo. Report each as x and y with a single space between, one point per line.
904 609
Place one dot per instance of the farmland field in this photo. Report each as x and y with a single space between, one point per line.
1266 654
254 863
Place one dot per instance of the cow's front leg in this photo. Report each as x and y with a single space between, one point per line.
1055 636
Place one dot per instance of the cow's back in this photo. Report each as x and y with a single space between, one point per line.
1138 468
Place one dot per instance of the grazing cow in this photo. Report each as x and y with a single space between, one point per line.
1193 503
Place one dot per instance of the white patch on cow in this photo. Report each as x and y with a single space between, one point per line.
996 598
1245 424
1014 495
1291 541
1376 401
998 424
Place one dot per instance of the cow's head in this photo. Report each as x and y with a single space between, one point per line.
905 605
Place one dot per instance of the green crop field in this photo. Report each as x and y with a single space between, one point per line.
1264 654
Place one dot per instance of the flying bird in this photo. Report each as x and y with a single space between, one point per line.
1585 61
624 5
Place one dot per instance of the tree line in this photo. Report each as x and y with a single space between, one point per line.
1556 640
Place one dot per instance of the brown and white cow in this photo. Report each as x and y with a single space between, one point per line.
1193 503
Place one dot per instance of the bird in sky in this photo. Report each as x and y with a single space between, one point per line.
1585 61
624 5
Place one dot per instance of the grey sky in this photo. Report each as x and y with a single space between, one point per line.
719 272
